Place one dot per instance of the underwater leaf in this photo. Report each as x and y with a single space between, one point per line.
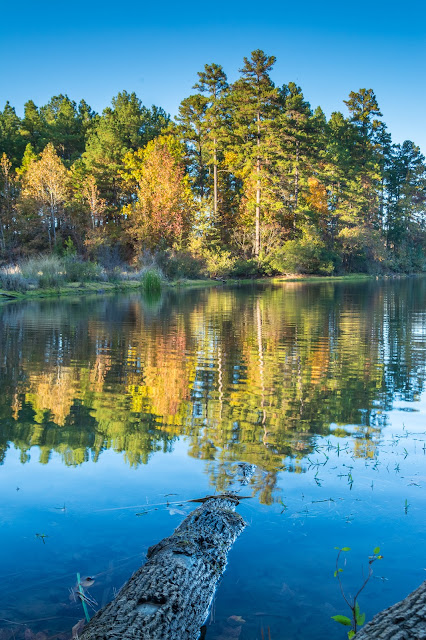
351 634
237 619
87 582
346 548
376 550
343 620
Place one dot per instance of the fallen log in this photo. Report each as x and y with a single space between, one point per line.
405 620
169 597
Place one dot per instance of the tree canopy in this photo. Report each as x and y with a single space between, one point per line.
248 177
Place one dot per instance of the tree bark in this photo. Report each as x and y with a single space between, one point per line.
216 221
169 597
258 190
405 620
296 181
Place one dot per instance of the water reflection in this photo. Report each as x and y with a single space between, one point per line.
250 373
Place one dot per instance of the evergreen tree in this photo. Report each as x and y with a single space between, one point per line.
270 178
11 141
293 130
33 129
406 196
364 109
214 85
191 121
63 126
127 125
252 145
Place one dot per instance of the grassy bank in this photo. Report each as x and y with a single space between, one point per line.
136 283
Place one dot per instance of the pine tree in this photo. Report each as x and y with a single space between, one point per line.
252 144
364 110
213 84
406 182
127 125
33 128
11 141
293 131
191 128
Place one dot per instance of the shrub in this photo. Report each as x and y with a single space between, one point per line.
47 271
250 268
362 249
220 264
76 270
11 279
307 254
181 264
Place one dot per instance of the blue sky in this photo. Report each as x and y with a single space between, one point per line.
93 50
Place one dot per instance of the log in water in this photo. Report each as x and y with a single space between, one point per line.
405 620
169 596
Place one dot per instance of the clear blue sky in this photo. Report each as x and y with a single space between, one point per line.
93 50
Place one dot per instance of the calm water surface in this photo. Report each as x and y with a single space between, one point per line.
115 410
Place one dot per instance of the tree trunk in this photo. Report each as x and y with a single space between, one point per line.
169 597
405 620
53 222
216 221
2 240
257 230
296 179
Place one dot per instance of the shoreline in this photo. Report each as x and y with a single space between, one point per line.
129 285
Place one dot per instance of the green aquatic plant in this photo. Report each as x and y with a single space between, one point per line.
151 280
42 537
284 506
357 618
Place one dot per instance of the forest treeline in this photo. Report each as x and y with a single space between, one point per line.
248 179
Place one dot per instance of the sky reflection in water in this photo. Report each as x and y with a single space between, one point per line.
110 404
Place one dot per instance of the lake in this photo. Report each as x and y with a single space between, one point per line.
115 410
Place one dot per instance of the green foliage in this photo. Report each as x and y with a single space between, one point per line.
70 248
357 618
220 264
77 270
151 280
177 264
250 268
266 183
307 254
347 622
